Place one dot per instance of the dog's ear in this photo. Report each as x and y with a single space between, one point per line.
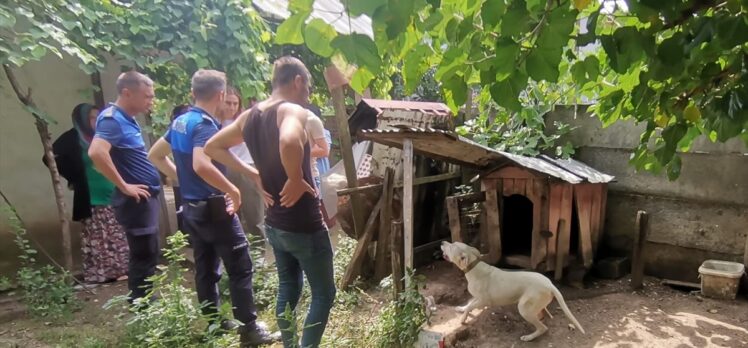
474 251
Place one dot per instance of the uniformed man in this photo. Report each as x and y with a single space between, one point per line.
118 152
209 217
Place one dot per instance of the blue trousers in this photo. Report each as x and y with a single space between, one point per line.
296 255
214 241
140 222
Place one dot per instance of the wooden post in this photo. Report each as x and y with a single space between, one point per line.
396 245
559 270
346 149
453 212
637 260
381 268
493 223
354 267
408 204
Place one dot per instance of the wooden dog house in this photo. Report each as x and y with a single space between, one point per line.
540 213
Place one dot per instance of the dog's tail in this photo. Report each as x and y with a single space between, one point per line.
567 312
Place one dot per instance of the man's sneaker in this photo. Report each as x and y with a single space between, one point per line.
257 335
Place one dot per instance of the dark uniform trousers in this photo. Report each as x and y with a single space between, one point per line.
140 221
215 240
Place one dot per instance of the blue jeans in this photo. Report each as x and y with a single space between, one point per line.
296 255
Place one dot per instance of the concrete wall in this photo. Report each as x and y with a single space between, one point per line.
702 215
57 86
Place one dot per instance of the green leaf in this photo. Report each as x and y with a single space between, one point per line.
399 17
318 35
289 32
506 55
414 67
506 92
732 31
365 7
491 13
623 48
456 89
7 20
673 168
516 20
300 6
359 49
542 64
535 5
361 79
560 25
592 67
670 51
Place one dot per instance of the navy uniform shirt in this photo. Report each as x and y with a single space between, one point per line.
188 131
128 149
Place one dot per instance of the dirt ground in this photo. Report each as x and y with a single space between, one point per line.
611 314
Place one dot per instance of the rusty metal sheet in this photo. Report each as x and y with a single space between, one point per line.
438 144
578 168
543 166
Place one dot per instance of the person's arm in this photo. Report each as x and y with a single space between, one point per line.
316 130
205 169
217 148
291 123
320 148
159 156
99 154
107 132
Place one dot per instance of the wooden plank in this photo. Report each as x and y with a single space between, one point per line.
603 210
471 198
453 212
346 148
561 254
534 192
640 240
583 200
520 187
354 267
507 187
493 225
597 192
381 266
678 283
511 172
542 186
416 182
563 248
396 247
408 204
554 215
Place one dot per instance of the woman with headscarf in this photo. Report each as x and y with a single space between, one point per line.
105 251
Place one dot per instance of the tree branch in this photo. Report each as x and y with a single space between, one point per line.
25 99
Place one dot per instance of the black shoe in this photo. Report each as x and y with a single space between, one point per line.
257 335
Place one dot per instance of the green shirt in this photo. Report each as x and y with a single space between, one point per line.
100 189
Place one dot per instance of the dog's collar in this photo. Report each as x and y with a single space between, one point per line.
471 266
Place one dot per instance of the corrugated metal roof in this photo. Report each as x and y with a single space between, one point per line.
330 11
580 169
450 147
425 107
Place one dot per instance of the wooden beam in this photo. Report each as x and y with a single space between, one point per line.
416 182
560 253
354 267
346 149
408 205
381 267
583 199
493 225
396 247
453 212
637 259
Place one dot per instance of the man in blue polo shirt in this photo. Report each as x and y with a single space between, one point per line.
209 217
118 152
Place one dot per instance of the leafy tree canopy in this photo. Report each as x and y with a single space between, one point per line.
677 66
169 40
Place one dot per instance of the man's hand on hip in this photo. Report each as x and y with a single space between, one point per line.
136 191
293 190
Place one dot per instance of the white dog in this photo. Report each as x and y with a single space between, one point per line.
491 286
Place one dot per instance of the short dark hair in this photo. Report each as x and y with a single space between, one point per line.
285 70
206 83
132 80
179 110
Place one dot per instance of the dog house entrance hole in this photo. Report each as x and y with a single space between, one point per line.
516 236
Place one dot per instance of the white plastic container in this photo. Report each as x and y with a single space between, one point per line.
720 279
